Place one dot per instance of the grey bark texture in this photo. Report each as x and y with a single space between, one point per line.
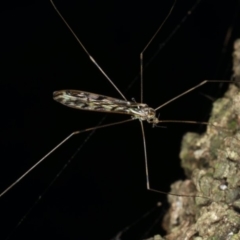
211 162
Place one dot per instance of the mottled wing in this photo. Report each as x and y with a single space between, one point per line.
93 102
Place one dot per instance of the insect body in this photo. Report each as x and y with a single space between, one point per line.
100 103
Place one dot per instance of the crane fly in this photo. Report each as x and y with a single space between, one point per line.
83 100
99 103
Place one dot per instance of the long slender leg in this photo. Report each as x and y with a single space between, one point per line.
162 45
147 172
86 51
190 90
146 214
147 45
55 148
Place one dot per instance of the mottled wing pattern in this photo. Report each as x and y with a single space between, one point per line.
94 102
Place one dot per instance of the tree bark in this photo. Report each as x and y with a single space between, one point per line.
211 162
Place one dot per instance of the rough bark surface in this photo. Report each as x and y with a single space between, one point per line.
211 162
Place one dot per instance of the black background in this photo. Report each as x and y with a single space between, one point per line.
104 188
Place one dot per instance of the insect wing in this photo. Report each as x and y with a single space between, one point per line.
93 102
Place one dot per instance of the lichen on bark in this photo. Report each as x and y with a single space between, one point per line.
211 162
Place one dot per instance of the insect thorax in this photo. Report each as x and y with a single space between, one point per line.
144 113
